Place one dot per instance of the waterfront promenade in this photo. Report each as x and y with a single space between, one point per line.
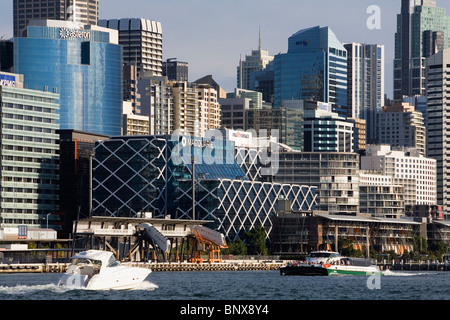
230 265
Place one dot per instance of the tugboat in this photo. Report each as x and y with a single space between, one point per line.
325 263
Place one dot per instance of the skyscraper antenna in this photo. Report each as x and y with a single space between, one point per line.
259 47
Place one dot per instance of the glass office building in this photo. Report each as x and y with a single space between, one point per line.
315 67
237 206
365 84
83 65
29 155
137 176
422 30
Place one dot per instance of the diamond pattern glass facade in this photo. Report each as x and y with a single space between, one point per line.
140 174
237 206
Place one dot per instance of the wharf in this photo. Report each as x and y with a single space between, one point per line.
244 265
33 268
227 265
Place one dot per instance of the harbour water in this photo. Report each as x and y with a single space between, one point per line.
240 285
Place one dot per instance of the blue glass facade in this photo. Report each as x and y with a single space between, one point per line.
315 67
83 66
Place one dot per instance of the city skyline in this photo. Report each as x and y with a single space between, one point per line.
233 28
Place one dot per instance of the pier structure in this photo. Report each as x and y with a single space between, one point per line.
149 239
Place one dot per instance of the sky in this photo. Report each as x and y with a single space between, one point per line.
212 35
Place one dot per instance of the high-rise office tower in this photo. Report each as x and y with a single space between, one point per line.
6 56
130 83
315 67
257 61
287 120
438 130
175 70
400 125
365 82
141 40
325 131
184 113
83 11
422 30
208 108
29 156
83 65
156 103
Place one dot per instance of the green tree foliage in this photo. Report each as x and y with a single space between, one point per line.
236 247
345 248
255 241
420 244
438 249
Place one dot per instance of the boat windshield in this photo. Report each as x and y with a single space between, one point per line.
112 262
86 262
323 255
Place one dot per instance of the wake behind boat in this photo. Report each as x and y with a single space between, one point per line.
99 270
324 263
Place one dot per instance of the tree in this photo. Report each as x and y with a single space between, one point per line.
345 248
438 249
420 244
255 241
236 247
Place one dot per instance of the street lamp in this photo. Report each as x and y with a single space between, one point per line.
47 218
193 187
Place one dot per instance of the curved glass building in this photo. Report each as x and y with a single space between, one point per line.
83 65
315 67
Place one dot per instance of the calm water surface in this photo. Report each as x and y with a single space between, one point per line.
235 285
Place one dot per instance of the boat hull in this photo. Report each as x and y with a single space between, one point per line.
119 281
121 278
303 271
353 271
319 270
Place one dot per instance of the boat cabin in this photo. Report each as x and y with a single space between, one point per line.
347 261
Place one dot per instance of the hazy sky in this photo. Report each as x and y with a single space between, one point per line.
211 35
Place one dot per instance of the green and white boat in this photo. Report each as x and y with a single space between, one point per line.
326 263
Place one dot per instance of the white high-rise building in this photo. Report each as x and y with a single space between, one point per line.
257 61
208 108
438 128
141 40
400 125
365 84
408 168
82 11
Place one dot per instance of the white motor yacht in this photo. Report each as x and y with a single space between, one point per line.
100 270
